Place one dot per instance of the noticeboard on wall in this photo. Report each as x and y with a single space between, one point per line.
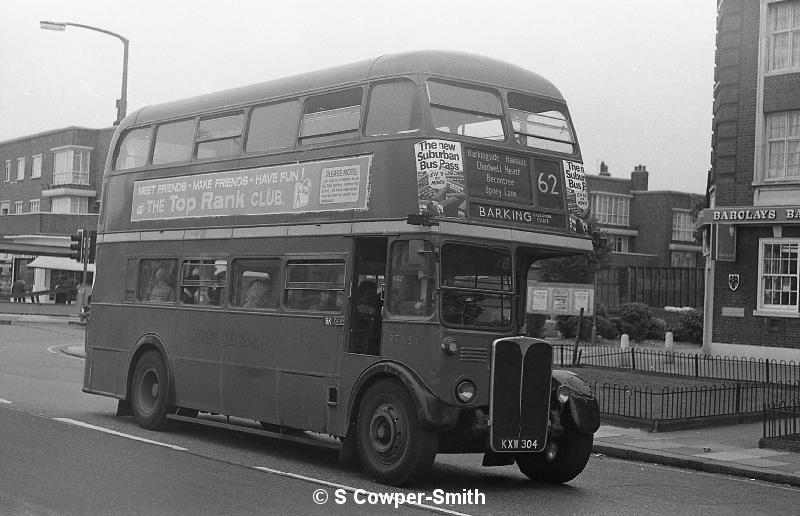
559 298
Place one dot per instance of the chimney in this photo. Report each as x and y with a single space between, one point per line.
639 178
604 169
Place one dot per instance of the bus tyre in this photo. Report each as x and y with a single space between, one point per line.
149 391
573 453
393 445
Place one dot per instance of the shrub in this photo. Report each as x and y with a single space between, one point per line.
600 309
534 324
568 325
690 329
657 329
606 328
634 319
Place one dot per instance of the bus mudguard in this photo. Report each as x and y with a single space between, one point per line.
583 406
430 410
147 341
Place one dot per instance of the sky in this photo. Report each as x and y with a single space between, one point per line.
638 75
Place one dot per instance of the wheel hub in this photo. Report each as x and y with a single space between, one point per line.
383 429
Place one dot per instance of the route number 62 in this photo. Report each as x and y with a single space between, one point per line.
547 183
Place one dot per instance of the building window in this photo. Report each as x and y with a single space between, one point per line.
683 259
33 206
20 169
17 207
618 243
611 209
69 205
682 226
8 170
4 207
784 35
36 166
777 289
71 166
783 145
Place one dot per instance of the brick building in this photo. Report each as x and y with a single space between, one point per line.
49 187
753 229
644 228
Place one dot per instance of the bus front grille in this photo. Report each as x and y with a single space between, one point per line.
520 394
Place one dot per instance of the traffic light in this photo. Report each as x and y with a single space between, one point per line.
76 247
91 243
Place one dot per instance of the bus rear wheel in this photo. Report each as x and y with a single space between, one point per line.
393 444
572 451
149 391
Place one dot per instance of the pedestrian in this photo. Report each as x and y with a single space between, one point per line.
18 291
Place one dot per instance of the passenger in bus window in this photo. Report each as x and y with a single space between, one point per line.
259 295
367 298
162 289
330 301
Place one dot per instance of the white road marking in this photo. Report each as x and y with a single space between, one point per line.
120 434
354 489
60 349
5 401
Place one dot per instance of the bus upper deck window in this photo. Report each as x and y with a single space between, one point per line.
540 124
173 142
133 148
331 116
394 108
273 126
466 111
220 136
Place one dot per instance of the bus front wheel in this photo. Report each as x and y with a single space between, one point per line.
149 391
393 445
571 455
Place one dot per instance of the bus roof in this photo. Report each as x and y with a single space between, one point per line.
458 65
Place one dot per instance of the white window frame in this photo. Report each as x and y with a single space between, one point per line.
611 209
789 309
786 142
36 166
5 205
34 206
20 169
18 207
8 170
70 175
682 225
790 33
618 243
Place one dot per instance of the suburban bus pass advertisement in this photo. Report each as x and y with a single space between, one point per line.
462 182
311 187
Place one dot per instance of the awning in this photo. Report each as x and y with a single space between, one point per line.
59 263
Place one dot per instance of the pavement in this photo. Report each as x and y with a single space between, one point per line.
730 450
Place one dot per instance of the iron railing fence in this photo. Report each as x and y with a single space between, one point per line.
782 420
687 402
691 365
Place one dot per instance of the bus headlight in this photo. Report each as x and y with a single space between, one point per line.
449 345
465 391
562 394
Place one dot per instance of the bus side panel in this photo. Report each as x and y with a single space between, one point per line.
195 348
247 376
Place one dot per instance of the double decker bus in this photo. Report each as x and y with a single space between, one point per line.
345 252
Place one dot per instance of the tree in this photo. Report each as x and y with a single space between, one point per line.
576 268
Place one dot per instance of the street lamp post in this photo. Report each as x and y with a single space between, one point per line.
122 103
